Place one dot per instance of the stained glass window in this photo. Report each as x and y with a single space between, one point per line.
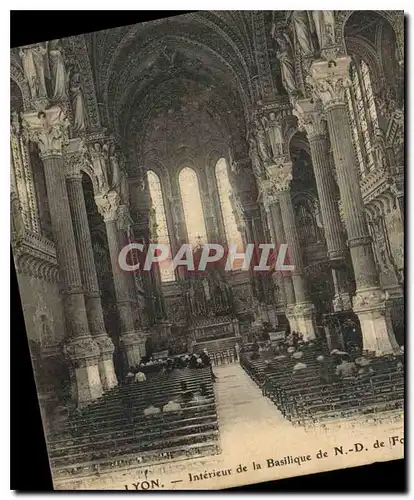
233 235
193 209
363 114
160 235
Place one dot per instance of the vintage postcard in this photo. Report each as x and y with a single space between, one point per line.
207 223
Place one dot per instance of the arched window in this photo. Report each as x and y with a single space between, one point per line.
233 235
193 209
160 233
363 114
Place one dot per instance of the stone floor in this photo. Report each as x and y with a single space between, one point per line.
253 430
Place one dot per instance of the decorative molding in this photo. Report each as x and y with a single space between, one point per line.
35 256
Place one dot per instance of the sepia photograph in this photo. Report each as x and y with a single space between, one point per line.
207 230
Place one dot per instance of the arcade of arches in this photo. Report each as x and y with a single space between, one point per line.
228 127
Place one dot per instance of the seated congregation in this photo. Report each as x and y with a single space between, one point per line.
311 385
164 410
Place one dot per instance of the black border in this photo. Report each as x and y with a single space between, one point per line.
30 470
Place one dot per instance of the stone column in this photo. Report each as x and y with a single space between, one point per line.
283 280
310 116
88 270
133 341
304 311
125 229
329 81
48 130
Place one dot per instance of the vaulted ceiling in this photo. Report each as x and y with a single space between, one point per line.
182 81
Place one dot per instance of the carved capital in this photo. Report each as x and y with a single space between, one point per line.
48 129
108 205
311 118
82 351
105 344
369 299
280 175
75 159
328 80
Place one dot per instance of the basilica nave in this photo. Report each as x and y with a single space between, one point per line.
230 127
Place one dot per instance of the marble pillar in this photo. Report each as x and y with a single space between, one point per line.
88 271
329 81
304 311
311 119
132 339
49 130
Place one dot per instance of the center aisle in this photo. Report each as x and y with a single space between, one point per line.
246 418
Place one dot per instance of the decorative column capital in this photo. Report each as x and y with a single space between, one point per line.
108 204
48 129
280 175
74 159
311 118
328 80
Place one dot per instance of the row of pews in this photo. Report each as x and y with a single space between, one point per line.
306 398
114 432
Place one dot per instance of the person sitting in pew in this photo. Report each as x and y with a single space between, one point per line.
129 377
365 371
346 369
299 366
140 376
151 410
297 355
171 406
201 396
193 361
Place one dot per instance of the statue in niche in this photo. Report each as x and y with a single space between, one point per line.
78 103
17 222
285 55
35 67
59 75
257 165
262 142
114 171
303 32
274 130
100 168
380 151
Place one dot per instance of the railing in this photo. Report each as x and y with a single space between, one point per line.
223 357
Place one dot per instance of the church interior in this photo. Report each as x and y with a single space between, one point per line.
229 127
